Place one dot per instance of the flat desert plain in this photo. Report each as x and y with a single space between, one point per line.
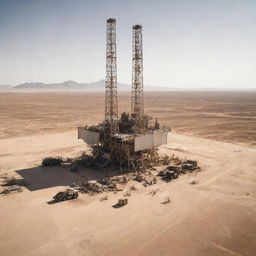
216 216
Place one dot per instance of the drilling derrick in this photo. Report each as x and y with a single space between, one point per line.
130 142
111 107
137 104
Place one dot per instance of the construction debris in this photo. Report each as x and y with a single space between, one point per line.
179 167
139 177
52 161
91 187
128 193
148 181
82 161
175 167
133 187
104 198
122 202
10 181
153 192
117 180
192 162
66 195
146 178
165 160
13 188
105 184
12 184
85 160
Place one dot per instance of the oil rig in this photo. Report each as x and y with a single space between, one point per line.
129 141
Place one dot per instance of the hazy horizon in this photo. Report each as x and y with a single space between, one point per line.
187 44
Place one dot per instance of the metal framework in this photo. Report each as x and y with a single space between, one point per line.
137 101
129 142
111 104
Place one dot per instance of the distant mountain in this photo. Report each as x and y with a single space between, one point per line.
5 87
69 85
74 86
100 86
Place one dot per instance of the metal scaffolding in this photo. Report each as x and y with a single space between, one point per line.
129 142
137 101
111 104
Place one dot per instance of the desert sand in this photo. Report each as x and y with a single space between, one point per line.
216 216
226 116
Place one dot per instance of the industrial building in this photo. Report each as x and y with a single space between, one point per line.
129 141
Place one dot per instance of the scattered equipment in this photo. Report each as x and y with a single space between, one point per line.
66 195
122 202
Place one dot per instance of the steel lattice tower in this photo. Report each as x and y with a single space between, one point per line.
111 105
137 104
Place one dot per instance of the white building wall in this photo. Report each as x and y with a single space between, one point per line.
88 137
148 141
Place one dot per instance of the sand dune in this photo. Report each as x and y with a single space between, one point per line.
217 216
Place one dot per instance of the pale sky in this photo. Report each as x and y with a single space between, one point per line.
187 43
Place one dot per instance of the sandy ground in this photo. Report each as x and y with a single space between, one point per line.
224 116
217 216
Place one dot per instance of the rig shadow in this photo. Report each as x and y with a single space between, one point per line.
40 177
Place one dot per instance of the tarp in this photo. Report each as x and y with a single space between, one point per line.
89 137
